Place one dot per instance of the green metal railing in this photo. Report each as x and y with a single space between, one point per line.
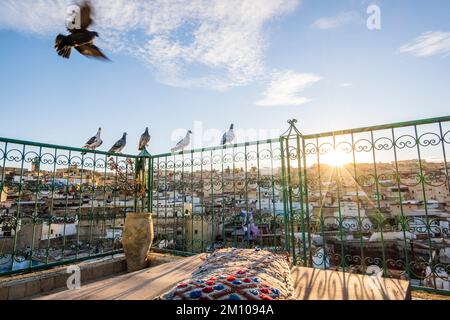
219 197
375 200
59 205
367 200
371 200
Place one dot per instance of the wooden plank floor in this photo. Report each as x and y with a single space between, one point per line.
141 285
310 284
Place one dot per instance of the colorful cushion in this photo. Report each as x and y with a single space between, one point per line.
238 274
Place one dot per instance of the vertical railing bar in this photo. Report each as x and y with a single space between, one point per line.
223 200
150 186
183 213
273 200
247 207
203 201
306 197
91 216
341 228
445 158
18 213
322 220
137 169
166 194
2 186
422 182
289 198
66 209
301 200
174 213
212 199
51 206
104 232
258 178
5 155
158 168
285 199
144 182
150 190
404 222
192 203
234 199
126 207
115 193
360 222
381 222
80 205
35 214
446 174
111 213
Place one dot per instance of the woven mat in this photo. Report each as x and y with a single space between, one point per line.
237 274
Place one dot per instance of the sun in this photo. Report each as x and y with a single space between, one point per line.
335 158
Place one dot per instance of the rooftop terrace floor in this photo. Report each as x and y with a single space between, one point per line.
310 284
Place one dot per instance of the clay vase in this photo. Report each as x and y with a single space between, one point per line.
137 240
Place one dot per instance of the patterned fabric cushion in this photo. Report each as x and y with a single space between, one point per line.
238 274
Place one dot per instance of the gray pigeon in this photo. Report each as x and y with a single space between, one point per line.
94 142
229 136
183 143
81 39
119 145
145 139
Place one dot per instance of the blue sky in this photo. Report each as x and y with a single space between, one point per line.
220 62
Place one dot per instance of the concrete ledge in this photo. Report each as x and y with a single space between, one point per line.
46 281
40 282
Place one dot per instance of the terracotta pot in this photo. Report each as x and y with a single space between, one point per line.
137 240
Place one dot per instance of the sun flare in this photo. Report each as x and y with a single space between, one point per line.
336 158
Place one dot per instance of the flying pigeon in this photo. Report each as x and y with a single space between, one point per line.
94 142
119 145
183 143
145 139
228 136
80 38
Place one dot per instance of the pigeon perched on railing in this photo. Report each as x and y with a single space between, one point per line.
229 136
81 39
145 139
119 145
94 142
183 143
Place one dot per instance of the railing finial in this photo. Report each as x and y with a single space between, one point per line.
292 128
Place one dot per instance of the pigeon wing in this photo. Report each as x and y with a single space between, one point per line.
230 136
143 142
91 141
85 13
224 139
116 146
91 50
180 143
119 144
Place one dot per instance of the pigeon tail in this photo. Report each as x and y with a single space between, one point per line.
61 46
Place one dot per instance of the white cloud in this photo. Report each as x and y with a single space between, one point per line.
285 89
205 43
343 18
429 44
